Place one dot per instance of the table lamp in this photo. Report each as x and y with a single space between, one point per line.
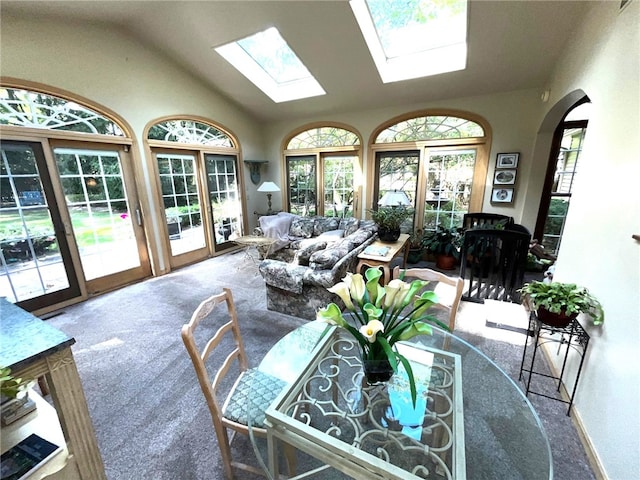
269 188
394 198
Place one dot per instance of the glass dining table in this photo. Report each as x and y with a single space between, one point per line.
469 420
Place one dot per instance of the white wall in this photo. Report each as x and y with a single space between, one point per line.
597 250
112 69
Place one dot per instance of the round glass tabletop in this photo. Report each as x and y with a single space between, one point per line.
470 419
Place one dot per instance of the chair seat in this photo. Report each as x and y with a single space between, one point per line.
256 387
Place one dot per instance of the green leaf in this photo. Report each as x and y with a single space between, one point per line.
412 380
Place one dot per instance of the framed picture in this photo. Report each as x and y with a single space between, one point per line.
502 195
507 160
504 177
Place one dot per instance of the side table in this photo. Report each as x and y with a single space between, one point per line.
255 241
573 337
392 250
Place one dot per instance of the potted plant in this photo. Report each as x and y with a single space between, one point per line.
416 247
389 220
378 317
557 303
445 243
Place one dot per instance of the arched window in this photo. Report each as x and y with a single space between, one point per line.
196 163
38 110
434 159
190 131
437 127
323 171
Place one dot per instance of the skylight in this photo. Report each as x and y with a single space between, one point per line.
267 61
414 38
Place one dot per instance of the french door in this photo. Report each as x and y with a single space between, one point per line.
438 181
104 214
202 204
70 222
37 267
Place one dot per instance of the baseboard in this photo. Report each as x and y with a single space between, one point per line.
576 418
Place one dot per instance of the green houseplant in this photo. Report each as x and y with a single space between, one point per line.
389 220
378 317
445 244
557 303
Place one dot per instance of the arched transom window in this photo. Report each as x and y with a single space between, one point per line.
38 110
323 137
434 160
436 127
189 131
322 164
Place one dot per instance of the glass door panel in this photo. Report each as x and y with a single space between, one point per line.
398 171
178 182
101 214
338 175
224 198
301 178
448 189
36 263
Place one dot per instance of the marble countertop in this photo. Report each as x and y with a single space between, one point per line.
25 338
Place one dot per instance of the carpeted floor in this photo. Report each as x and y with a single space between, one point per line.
147 408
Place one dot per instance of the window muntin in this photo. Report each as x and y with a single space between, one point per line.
413 39
189 132
437 127
39 110
270 64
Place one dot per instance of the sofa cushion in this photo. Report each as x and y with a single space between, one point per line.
324 224
331 235
302 227
307 249
327 258
349 225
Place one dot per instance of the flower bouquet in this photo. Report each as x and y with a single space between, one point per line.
380 316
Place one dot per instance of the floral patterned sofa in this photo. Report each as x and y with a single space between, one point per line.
310 255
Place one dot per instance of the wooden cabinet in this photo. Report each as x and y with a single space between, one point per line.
33 348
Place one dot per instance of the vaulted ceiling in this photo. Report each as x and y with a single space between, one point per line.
512 45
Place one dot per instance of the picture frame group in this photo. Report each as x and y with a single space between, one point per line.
504 177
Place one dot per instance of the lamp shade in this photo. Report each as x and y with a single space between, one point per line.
268 187
393 198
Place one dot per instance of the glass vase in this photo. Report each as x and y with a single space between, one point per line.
376 370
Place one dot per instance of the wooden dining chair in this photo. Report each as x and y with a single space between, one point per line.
235 411
449 289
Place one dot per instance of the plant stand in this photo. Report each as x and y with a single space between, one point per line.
573 336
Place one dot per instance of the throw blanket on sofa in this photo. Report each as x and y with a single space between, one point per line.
277 226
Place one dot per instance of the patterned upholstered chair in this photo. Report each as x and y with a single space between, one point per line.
251 393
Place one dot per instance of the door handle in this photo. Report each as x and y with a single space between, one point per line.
139 217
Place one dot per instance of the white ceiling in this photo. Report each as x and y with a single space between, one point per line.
513 45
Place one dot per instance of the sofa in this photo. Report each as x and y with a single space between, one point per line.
309 255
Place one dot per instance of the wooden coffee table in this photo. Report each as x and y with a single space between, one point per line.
392 249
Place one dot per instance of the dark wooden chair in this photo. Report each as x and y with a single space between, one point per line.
493 264
478 219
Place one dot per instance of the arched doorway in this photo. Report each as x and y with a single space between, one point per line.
562 168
